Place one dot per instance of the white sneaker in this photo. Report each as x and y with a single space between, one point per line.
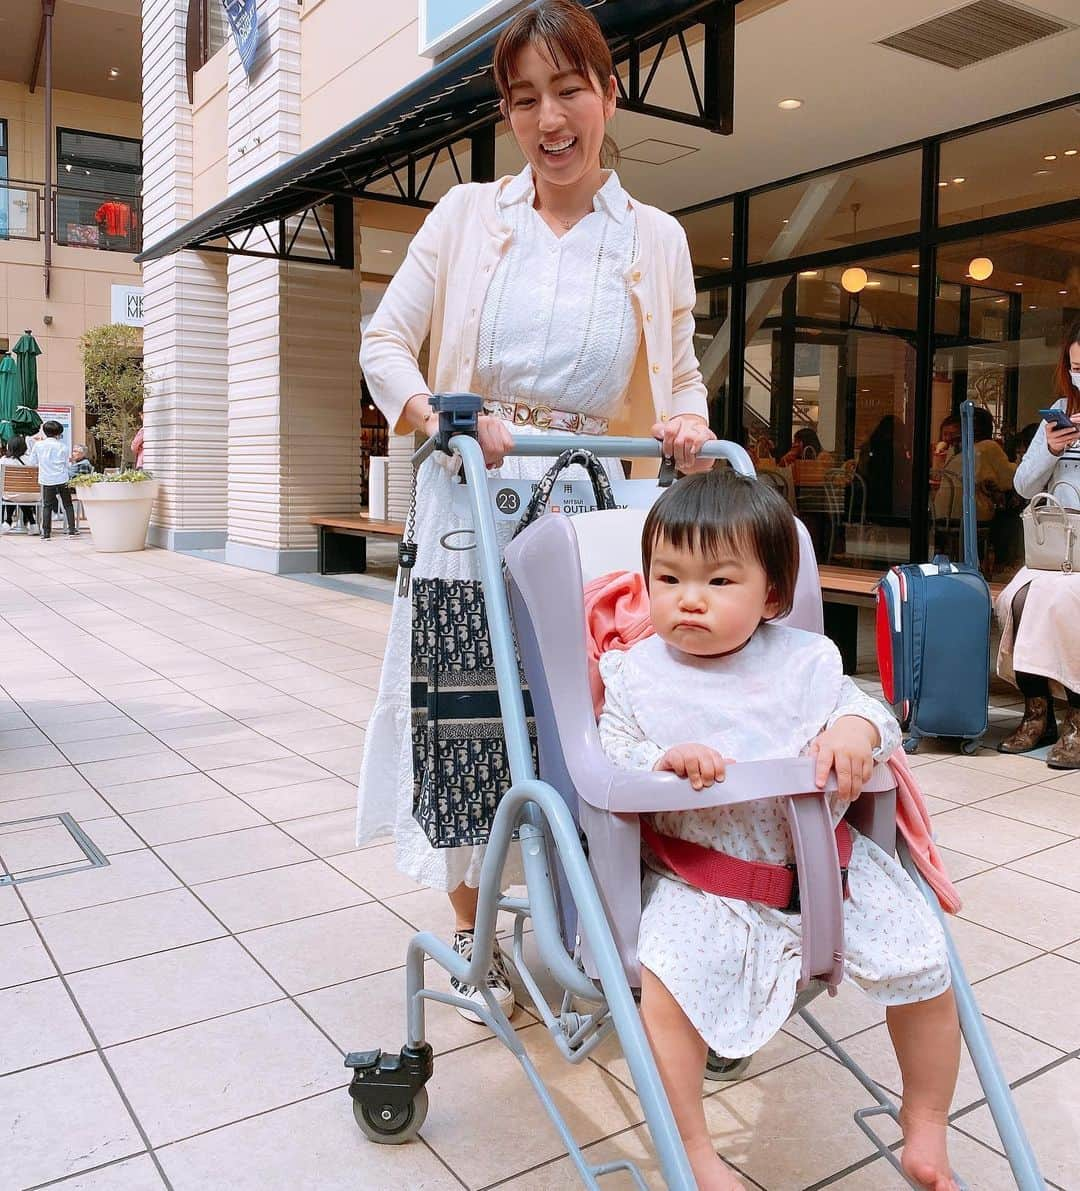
498 980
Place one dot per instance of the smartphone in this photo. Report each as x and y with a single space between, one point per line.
1058 419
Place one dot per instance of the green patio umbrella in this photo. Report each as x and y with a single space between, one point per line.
26 420
9 397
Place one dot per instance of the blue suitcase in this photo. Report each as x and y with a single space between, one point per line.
933 633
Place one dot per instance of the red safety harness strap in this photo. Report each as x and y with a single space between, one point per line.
775 885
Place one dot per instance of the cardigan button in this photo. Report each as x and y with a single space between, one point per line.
636 275
648 317
656 368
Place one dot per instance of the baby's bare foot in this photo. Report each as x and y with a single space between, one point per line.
925 1158
711 1173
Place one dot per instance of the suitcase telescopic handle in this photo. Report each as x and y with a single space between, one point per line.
967 471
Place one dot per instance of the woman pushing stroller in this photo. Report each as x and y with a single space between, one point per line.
717 684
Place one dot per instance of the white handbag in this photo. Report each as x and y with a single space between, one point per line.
1052 533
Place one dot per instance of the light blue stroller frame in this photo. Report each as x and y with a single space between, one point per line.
578 826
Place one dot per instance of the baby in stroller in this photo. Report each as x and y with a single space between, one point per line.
716 685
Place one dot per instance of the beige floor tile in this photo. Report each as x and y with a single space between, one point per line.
123 930
430 909
22 957
222 1070
165 791
326 835
375 870
109 748
1056 810
232 853
849 1012
83 805
974 832
807 1103
128 769
39 783
38 756
985 952
1018 1053
195 735
47 714
313 1144
981 1168
309 720
175 988
1033 911
330 948
280 895
118 725
131 874
1049 1106
11 718
251 699
193 820
304 799
1060 866
1024 770
133 1174
1067 781
17 738
50 1131
11 909
594 1104
1036 997
344 762
1071 952
322 740
268 775
959 866
210 757
40 1025
362 1014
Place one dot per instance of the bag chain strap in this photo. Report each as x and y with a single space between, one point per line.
407 545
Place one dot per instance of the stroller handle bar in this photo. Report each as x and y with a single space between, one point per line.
603 446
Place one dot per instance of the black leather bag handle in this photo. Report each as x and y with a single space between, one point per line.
605 498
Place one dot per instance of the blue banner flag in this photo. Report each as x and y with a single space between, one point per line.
244 21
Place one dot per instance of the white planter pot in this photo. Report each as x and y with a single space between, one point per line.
119 513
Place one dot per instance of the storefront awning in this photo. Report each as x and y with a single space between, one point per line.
455 99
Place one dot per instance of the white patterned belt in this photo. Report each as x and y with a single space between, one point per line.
543 417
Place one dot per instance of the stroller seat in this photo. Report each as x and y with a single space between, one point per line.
546 593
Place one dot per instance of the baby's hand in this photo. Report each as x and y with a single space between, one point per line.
848 747
698 763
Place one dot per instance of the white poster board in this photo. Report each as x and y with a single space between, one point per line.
447 24
64 414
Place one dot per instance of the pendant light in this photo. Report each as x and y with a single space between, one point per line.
854 279
980 267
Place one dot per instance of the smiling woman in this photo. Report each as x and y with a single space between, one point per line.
564 303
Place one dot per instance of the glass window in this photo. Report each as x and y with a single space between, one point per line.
710 233
1014 166
712 344
997 341
99 179
865 202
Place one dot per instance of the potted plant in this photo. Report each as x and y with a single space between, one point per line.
117 506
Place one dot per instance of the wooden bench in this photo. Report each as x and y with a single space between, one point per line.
844 590
343 540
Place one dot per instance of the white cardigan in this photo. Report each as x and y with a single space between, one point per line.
440 289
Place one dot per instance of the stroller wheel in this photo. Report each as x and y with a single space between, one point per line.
389 1124
722 1070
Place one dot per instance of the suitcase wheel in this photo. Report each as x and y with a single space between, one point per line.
968 747
911 745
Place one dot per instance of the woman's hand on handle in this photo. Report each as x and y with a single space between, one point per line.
683 437
493 434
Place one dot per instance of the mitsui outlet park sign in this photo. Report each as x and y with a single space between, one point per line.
447 24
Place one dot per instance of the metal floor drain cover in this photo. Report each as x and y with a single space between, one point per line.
45 846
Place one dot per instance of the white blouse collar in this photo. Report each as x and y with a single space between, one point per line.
610 198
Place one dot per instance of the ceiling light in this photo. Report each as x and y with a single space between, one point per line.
114 73
809 273
981 268
915 266
789 105
725 258
1018 284
872 283
1050 157
1041 173
1063 291
1071 152
1033 307
854 280
943 183
957 181
68 168
386 251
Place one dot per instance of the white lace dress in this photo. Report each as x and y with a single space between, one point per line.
558 328
733 965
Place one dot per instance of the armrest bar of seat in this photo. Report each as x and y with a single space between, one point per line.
821 893
640 792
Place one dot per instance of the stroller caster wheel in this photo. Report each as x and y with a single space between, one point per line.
969 747
721 1070
390 1124
911 745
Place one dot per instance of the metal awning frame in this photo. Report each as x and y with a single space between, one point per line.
423 122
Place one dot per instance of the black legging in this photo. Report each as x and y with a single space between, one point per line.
1034 686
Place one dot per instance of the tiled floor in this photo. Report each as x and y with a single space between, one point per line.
179 1016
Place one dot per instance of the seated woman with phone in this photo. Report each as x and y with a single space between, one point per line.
1040 651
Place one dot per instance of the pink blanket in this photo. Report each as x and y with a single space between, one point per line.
617 616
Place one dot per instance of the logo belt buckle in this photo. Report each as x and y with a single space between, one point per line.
541 416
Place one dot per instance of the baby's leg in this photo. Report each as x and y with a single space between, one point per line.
926 1038
680 1056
